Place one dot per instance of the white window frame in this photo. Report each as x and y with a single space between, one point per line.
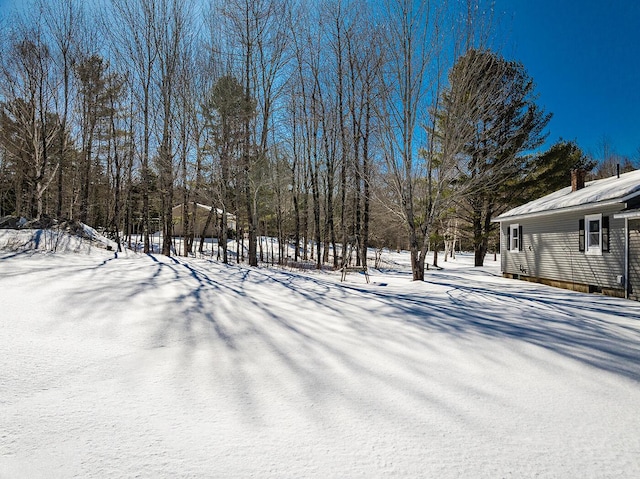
514 241
588 247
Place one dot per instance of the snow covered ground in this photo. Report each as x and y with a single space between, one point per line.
147 366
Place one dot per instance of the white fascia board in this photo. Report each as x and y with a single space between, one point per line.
569 209
627 214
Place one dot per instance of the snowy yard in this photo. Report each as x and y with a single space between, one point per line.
147 366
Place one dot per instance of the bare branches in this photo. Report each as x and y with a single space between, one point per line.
345 96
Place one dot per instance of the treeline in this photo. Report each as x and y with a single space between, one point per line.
340 124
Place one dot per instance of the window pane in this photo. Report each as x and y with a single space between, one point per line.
594 233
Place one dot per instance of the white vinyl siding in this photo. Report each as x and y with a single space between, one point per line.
552 249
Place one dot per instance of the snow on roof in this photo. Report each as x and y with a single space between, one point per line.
595 193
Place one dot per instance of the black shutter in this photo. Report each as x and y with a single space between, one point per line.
520 238
581 235
605 234
508 237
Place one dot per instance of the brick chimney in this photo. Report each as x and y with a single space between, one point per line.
577 179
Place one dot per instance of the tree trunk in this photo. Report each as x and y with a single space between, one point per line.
145 172
86 179
417 264
366 179
118 173
478 242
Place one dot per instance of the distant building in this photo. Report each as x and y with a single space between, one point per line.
201 212
584 237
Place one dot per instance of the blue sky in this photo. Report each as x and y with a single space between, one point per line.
584 56
585 59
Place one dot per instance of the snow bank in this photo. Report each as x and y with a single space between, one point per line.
55 240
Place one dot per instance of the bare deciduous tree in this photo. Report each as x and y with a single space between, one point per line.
413 36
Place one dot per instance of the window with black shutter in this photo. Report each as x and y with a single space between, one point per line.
581 235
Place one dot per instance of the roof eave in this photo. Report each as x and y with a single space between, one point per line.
568 209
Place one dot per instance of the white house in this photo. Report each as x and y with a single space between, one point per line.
584 237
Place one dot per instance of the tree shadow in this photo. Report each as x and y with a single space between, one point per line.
320 332
599 331
254 309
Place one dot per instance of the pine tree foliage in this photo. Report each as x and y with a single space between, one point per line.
551 170
488 120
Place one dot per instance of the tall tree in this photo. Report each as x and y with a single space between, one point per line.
171 30
26 73
226 110
413 38
64 21
91 72
490 119
133 28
